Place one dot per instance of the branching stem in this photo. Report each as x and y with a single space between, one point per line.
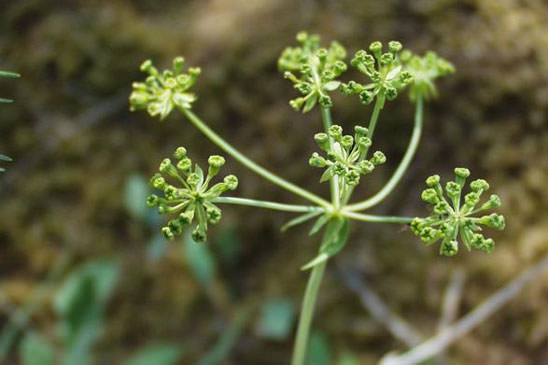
268 205
244 160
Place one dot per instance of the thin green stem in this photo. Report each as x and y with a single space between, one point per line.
244 160
268 204
334 181
402 167
307 312
375 218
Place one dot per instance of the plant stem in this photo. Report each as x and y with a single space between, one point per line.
215 138
268 205
402 167
307 312
333 182
375 218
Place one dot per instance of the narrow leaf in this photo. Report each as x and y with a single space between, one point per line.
299 220
35 350
315 261
332 85
318 225
310 103
328 174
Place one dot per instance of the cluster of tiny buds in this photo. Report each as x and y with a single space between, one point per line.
384 69
345 155
163 91
454 219
425 70
318 69
194 198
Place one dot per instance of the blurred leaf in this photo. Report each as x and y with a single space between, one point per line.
347 358
157 247
199 260
136 192
35 350
80 303
319 351
227 243
156 355
276 319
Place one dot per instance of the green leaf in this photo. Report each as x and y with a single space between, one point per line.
299 220
35 350
338 236
310 103
319 350
135 194
276 320
80 303
318 225
11 75
6 101
199 260
328 174
5 158
162 354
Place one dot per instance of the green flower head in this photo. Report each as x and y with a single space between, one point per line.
312 70
345 156
161 92
455 218
193 197
385 71
425 70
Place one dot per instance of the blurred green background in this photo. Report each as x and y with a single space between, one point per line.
79 245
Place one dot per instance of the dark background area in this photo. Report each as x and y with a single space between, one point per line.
81 159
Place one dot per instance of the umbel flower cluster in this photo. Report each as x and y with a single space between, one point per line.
453 219
425 70
385 71
194 199
161 92
345 156
317 69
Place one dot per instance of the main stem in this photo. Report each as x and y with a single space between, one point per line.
215 138
315 280
403 166
307 312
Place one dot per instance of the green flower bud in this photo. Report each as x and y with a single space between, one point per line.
449 248
479 185
387 58
441 207
231 182
453 189
359 132
199 235
364 143
433 180
347 142
375 47
185 165
317 161
430 196
462 172
175 227
215 163
471 199
493 202
193 180
335 132
157 181
152 200
366 167
378 158
493 220
167 167
213 214
394 46
186 217
322 140
352 178
367 97
166 232
325 101
179 153
391 93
